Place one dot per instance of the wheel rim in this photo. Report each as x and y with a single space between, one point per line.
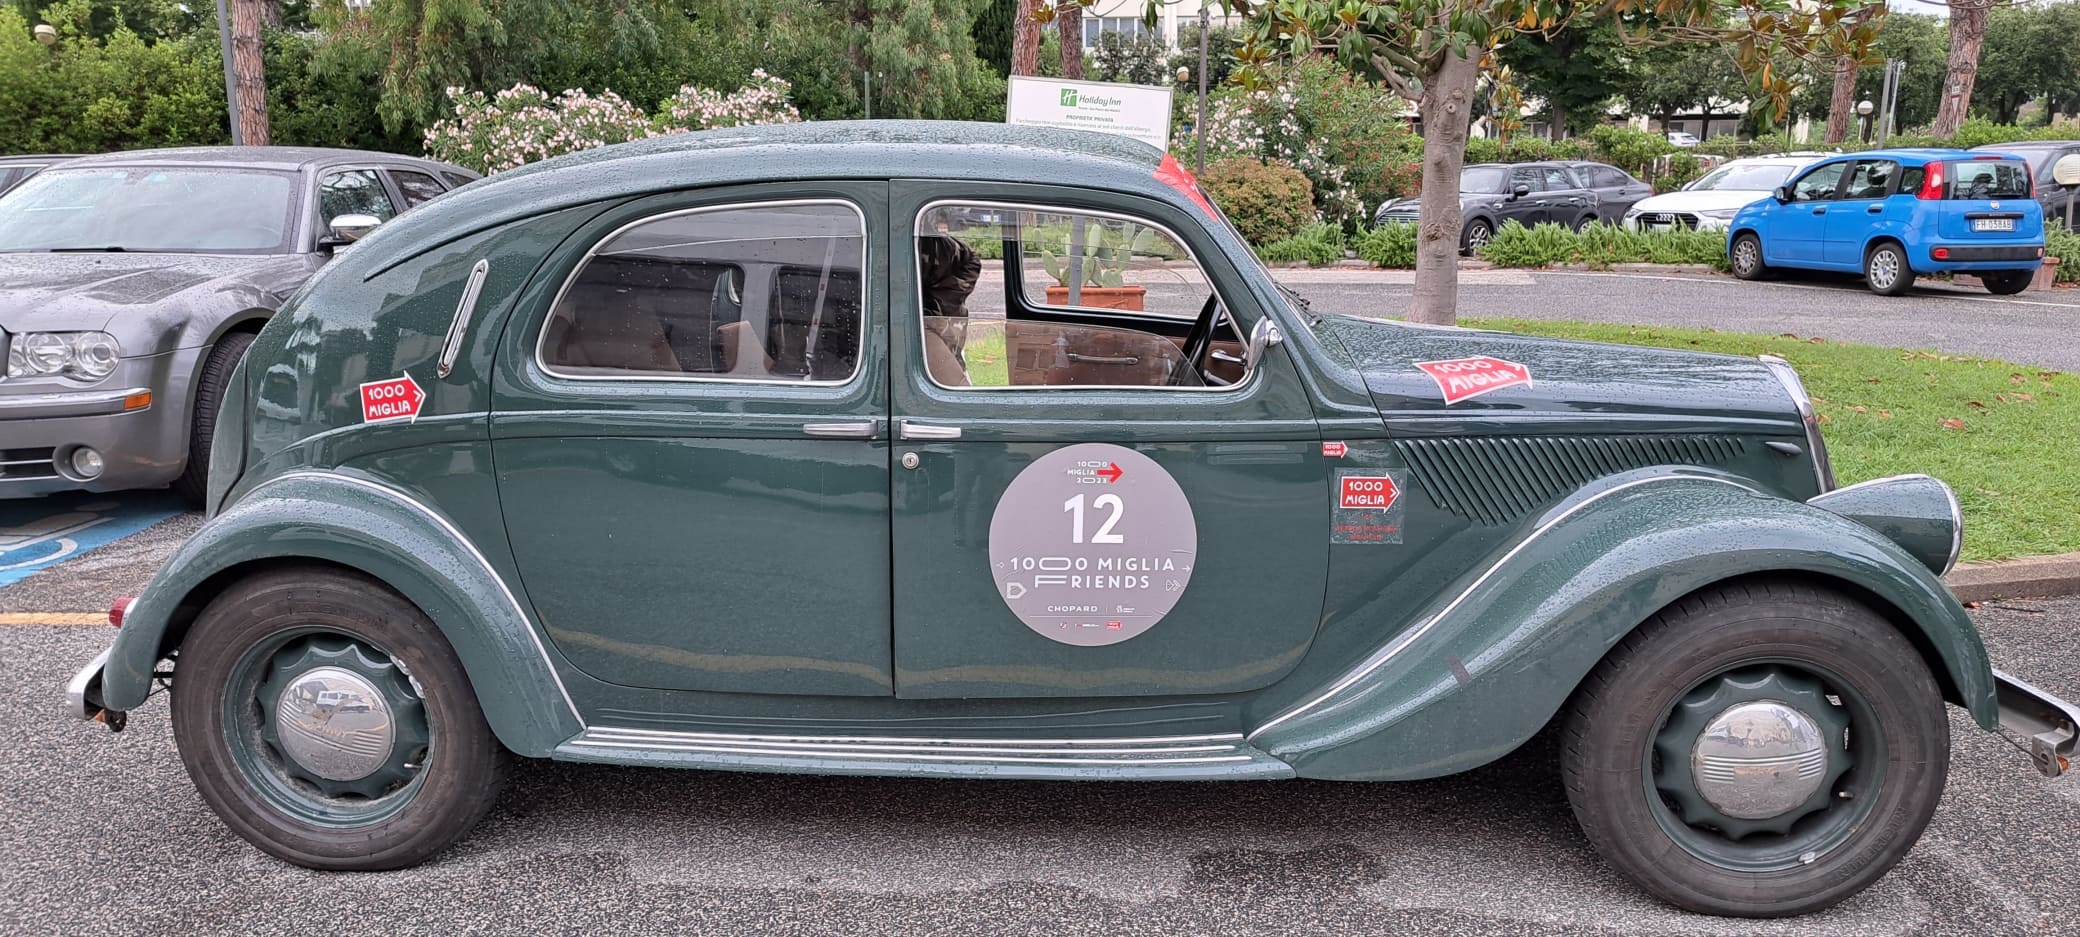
1765 766
1477 236
1884 268
1746 255
327 727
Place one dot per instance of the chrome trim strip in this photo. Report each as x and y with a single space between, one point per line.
76 688
519 613
866 256
1230 738
1191 255
841 753
1395 647
1078 752
465 309
1787 377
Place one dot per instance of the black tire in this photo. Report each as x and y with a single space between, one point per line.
2007 282
1478 233
463 765
1609 739
1745 257
1584 222
1886 271
193 483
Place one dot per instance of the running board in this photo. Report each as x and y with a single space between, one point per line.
1173 758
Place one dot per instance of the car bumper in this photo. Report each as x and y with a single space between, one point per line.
83 691
2050 725
1980 256
143 441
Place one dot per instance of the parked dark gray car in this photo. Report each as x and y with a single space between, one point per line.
2041 156
1492 193
131 284
15 169
1616 190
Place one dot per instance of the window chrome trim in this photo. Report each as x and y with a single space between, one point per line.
465 309
520 614
1243 383
1787 377
859 368
1159 750
1408 638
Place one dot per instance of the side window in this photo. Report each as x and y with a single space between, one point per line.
456 180
753 293
1115 298
1558 179
1818 185
1613 178
1526 176
416 187
1910 179
354 192
1871 178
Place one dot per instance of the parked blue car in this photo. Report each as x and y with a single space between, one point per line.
1893 215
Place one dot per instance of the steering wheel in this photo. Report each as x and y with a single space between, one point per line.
1197 342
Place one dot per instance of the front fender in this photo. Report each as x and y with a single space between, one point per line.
383 532
1487 665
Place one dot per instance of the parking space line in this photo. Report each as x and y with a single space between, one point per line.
54 618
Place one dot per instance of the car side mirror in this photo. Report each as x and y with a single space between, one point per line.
1519 192
346 229
1262 337
1783 193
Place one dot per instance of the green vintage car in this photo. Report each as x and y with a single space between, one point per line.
948 450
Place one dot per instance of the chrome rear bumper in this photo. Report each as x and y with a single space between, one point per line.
2051 725
83 692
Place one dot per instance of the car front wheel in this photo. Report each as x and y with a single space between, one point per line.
325 719
1746 257
1885 270
1757 750
2007 282
193 483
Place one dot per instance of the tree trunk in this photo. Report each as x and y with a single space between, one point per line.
249 71
1025 40
1967 32
1446 108
1557 113
1843 104
271 14
1069 22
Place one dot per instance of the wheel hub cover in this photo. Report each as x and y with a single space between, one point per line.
1760 759
335 724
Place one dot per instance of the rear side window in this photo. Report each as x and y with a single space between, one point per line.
1910 179
1987 178
416 187
768 293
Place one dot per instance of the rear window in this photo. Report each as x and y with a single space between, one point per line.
1988 178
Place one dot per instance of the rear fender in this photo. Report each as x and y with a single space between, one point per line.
385 533
1489 663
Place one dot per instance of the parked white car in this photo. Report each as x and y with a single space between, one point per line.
1682 138
1711 201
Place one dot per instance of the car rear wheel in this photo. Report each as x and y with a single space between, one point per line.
2006 282
1584 222
325 719
1885 270
1478 234
1746 257
193 483
1757 750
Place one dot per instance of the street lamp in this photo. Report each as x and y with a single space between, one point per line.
47 34
1184 75
1863 111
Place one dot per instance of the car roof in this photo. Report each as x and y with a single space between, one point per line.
2025 145
278 158
1915 155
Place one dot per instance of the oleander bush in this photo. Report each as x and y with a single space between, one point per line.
1391 245
524 124
1600 245
1314 245
1267 201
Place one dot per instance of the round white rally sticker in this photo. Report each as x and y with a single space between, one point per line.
1092 544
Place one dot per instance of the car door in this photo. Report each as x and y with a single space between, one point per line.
1617 191
1568 201
1864 203
689 427
1527 209
1795 230
1068 522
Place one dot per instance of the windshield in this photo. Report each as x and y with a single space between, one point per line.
187 211
1754 177
1482 179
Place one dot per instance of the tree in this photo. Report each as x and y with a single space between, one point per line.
1841 104
2031 51
1575 70
1025 39
1967 34
1663 81
1069 25
1432 52
994 25
1137 61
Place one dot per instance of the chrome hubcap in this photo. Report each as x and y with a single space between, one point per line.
1884 269
1760 759
1744 255
335 724
1478 236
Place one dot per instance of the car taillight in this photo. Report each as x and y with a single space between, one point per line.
1940 253
1932 183
118 610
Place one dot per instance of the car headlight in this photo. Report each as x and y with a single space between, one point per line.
1719 214
83 356
1788 376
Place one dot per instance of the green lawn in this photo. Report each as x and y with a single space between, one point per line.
2005 436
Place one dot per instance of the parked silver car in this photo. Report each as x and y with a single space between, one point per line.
131 284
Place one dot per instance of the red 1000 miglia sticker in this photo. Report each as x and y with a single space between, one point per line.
1466 378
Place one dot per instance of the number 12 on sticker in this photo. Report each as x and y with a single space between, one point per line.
1074 507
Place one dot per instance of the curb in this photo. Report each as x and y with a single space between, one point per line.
2032 576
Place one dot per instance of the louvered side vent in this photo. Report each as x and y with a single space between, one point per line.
1497 479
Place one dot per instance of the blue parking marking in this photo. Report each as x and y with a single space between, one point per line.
38 533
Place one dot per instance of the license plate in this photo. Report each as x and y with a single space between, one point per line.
1993 224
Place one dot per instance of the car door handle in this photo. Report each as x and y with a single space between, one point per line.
864 429
1875 209
1820 211
911 430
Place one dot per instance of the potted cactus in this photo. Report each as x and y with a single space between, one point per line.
1099 258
